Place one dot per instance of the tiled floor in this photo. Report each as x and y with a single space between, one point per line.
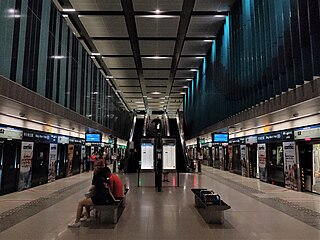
258 210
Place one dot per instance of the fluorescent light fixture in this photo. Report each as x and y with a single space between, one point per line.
157 57
95 54
156 93
93 57
194 70
189 79
219 16
157 11
110 76
208 40
158 16
12 10
185 87
199 57
57 57
182 93
68 10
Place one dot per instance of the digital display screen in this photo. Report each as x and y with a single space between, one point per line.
93 137
220 137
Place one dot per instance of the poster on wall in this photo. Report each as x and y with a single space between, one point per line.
230 153
262 162
316 167
290 165
70 159
243 160
25 165
52 162
221 158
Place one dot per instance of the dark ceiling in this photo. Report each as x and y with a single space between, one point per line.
147 48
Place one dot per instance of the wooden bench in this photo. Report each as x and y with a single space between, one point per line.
110 214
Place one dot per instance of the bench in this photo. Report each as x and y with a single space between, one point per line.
110 214
209 205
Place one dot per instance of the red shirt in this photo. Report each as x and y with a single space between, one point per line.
116 186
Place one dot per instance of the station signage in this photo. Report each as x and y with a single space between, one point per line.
63 140
307 133
10 133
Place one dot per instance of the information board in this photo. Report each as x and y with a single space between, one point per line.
169 157
147 156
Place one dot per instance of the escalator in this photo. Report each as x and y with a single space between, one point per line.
182 141
133 153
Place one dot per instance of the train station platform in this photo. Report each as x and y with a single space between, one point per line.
258 210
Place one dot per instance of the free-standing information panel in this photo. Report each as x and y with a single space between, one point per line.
169 157
169 153
147 155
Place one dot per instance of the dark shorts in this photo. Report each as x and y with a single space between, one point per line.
99 200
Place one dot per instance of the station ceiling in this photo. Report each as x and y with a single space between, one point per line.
147 48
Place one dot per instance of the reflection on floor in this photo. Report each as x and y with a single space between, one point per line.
258 210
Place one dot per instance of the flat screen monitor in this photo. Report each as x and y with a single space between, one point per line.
93 137
220 137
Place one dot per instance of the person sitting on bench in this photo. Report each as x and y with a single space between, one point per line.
115 184
103 194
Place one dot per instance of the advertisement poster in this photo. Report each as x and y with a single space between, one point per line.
52 162
70 159
262 162
25 165
221 158
243 160
316 166
290 165
230 153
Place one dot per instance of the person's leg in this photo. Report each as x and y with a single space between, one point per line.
84 203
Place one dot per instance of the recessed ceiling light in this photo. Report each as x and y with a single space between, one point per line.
158 16
189 79
109 76
65 15
95 54
194 70
156 93
182 93
157 57
185 87
208 40
219 16
68 10
199 57
157 11
57 57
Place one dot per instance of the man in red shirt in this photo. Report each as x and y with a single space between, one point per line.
115 184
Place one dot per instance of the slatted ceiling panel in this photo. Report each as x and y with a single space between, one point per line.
205 26
150 83
113 47
129 89
180 84
196 47
133 95
156 48
184 74
105 26
162 5
123 62
96 5
156 63
127 82
124 73
189 62
157 89
213 5
156 73
178 89
157 27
